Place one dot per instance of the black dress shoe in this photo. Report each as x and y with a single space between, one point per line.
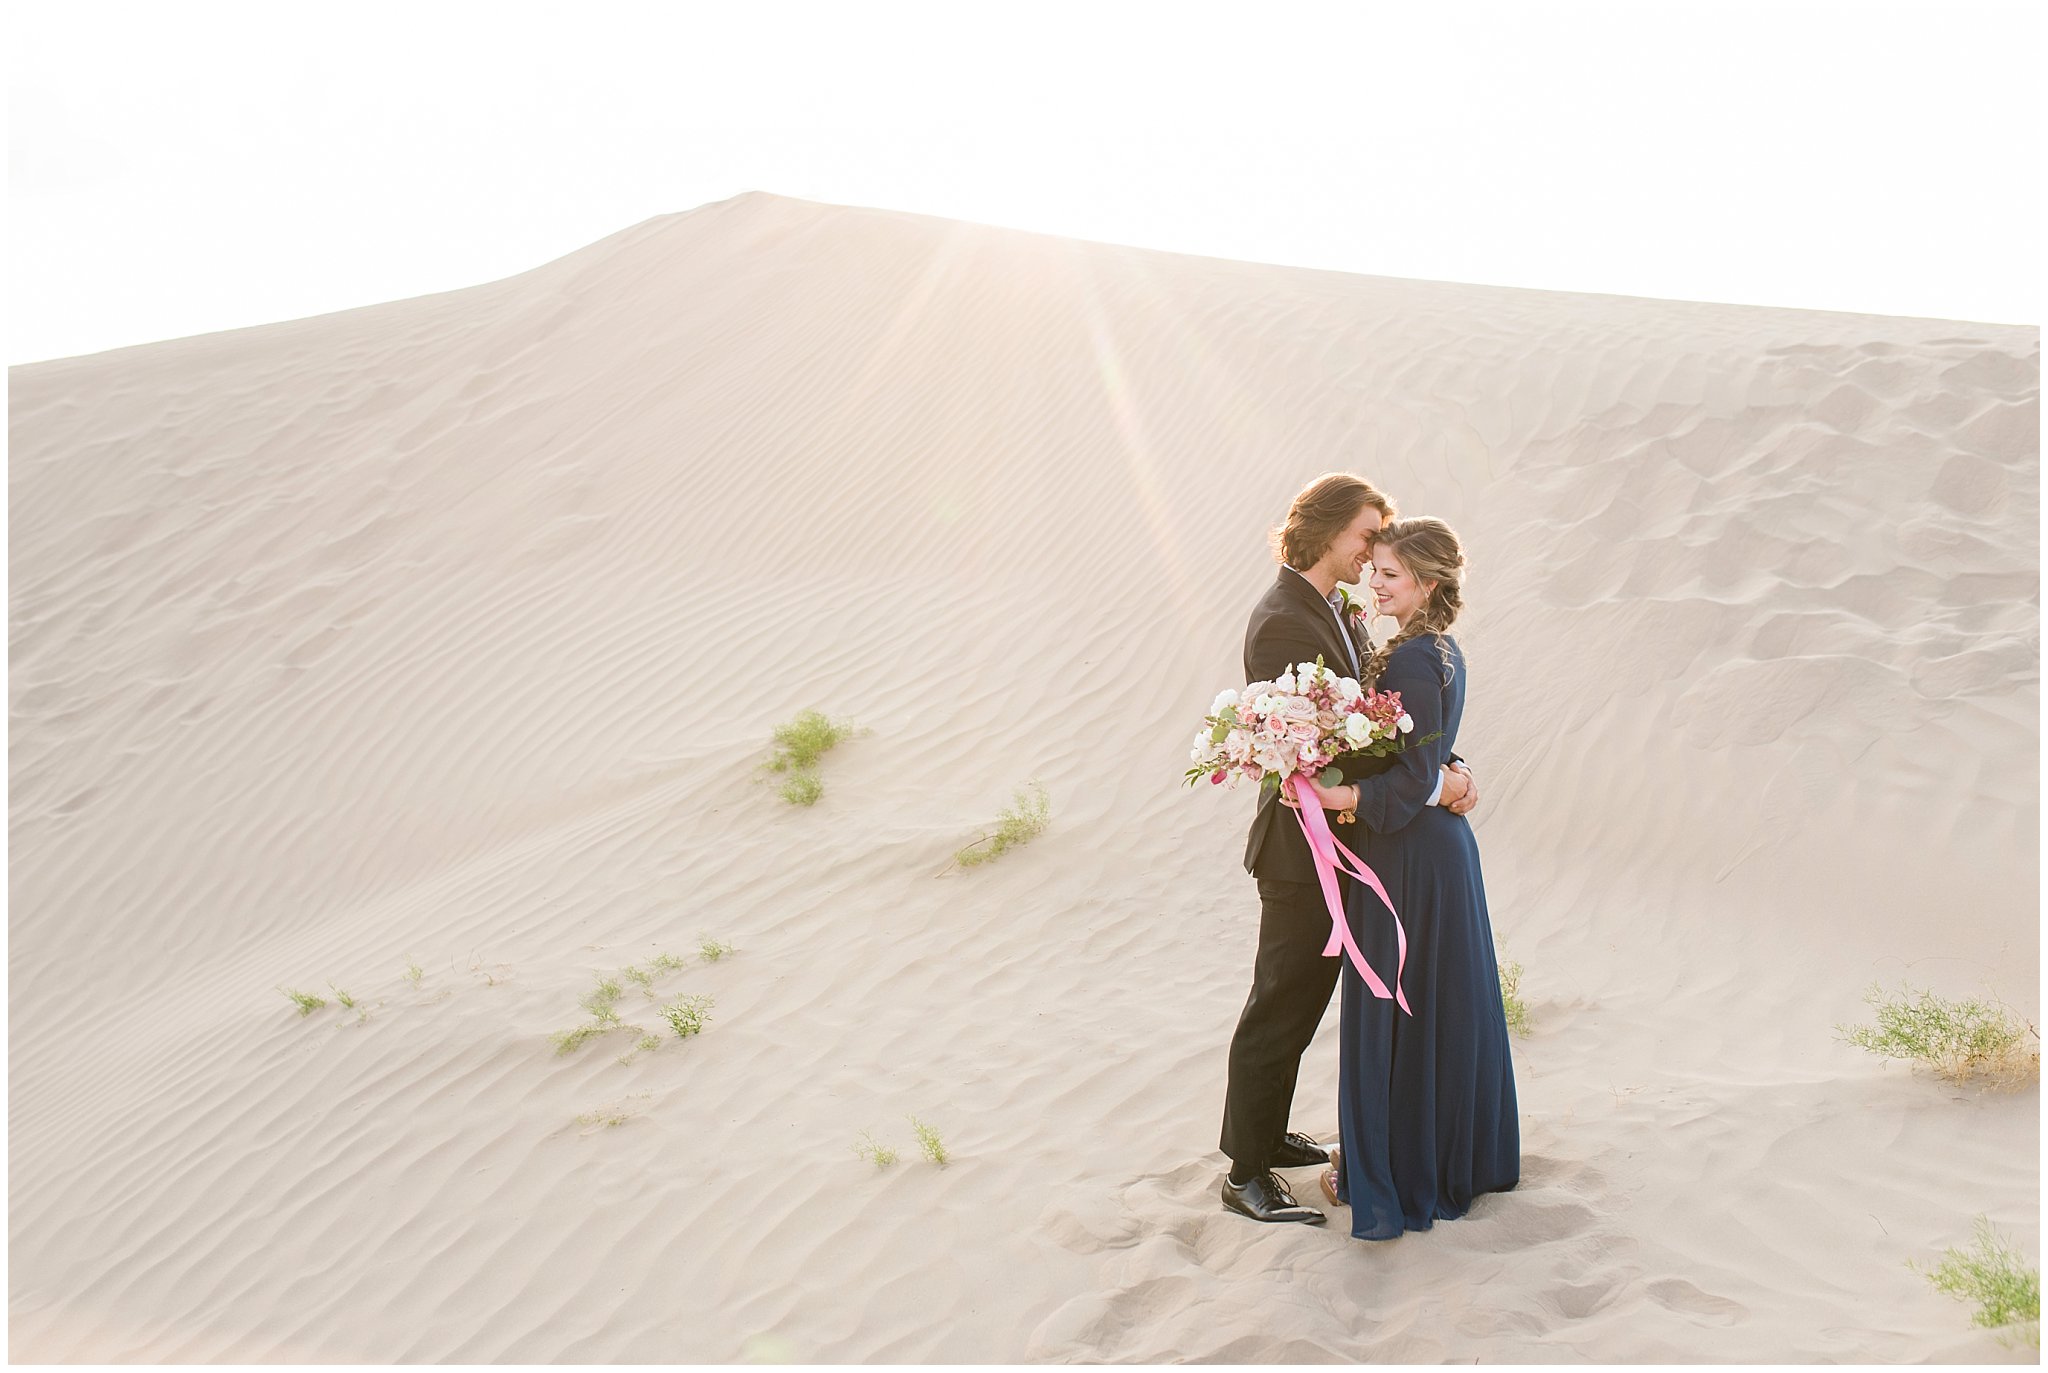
1299 1151
1265 1197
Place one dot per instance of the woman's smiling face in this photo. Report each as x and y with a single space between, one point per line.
1394 592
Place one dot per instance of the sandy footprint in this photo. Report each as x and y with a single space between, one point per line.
1677 1294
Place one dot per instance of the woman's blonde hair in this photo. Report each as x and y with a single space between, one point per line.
1429 550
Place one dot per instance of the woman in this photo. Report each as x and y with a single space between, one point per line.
1425 1104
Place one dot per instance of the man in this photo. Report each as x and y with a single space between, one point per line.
1326 540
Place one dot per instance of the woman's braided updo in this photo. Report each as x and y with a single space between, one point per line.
1430 551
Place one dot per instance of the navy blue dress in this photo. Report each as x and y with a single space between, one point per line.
1425 1104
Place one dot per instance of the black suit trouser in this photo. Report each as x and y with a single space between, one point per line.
1291 986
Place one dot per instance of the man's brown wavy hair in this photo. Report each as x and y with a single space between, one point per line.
1323 510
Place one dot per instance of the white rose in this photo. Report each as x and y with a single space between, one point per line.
1348 690
1405 723
1284 684
1357 728
1238 745
1224 701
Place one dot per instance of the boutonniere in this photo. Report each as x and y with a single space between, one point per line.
1356 614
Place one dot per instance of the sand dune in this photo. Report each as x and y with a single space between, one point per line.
453 629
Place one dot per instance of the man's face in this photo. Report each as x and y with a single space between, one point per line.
1352 549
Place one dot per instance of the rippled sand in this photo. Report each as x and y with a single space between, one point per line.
453 630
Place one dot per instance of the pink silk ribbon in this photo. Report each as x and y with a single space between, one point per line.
1330 856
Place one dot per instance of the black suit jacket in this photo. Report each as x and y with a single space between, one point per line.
1292 624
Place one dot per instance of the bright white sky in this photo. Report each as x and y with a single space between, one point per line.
181 167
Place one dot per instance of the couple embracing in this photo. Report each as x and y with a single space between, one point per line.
1426 1095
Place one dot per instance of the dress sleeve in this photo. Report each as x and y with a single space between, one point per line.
1390 799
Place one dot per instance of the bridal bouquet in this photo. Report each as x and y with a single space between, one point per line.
1301 721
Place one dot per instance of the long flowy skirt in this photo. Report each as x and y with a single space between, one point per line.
1426 1103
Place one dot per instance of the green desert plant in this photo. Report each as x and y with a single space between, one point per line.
645 1044
1993 1274
1023 820
602 1001
798 747
929 1141
1960 1040
611 1114
875 1152
645 975
343 997
802 789
568 1041
803 741
1511 998
686 1015
714 949
307 1002
414 972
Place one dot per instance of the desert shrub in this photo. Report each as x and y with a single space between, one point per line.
801 788
1993 1274
602 1001
867 1147
799 745
1023 820
1511 998
612 1114
686 1015
645 1044
804 740
929 1141
568 1041
1960 1040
